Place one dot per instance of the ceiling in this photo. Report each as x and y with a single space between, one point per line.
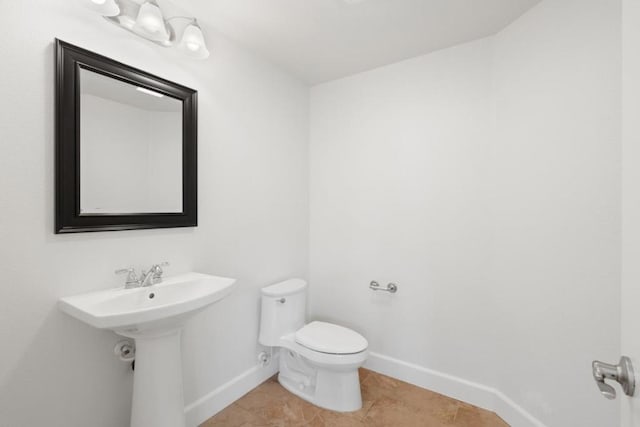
322 40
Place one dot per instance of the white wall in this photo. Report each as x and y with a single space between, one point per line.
398 165
556 207
485 181
253 221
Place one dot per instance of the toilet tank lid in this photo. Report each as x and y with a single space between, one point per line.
288 287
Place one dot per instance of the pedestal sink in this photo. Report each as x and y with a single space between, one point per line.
153 316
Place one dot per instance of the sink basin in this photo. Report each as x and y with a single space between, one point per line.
158 305
153 316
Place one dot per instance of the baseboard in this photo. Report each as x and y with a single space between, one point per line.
207 406
476 394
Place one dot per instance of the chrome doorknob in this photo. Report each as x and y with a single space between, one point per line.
622 373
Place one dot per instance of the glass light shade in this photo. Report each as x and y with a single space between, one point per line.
104 7
150 23
192 42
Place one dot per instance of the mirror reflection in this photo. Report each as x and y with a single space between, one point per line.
130 150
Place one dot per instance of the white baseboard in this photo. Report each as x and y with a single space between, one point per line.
207 406
476 394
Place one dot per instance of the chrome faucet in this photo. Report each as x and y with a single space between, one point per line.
148 278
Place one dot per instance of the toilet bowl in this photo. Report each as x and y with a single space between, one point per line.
319 361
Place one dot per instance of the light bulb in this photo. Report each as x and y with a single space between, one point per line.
150 17
192 42
104 7
150 23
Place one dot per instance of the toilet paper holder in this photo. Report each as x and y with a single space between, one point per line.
391 287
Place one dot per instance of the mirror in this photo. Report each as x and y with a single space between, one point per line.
130 148
126 146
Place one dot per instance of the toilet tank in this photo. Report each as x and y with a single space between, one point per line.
283 310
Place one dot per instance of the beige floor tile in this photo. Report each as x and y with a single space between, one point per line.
363 374
334 419
271 402
234 416
377 386
388 411
426 402
387 402
476 417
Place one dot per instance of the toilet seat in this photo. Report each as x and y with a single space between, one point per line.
328 338
335 361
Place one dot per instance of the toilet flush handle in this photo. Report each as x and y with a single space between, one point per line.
282 300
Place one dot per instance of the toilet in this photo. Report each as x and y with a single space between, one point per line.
319 361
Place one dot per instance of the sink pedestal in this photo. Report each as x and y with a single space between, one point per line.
153 316
157 380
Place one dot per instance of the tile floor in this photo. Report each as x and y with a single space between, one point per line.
386 403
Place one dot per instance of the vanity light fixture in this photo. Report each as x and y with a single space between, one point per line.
149 92
146 19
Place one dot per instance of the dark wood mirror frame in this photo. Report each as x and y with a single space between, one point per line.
69 61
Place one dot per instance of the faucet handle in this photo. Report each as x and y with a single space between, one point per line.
158 267
132 278
157 270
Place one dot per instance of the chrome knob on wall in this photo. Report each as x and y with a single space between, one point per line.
622 373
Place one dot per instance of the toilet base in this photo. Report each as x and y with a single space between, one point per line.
331 387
